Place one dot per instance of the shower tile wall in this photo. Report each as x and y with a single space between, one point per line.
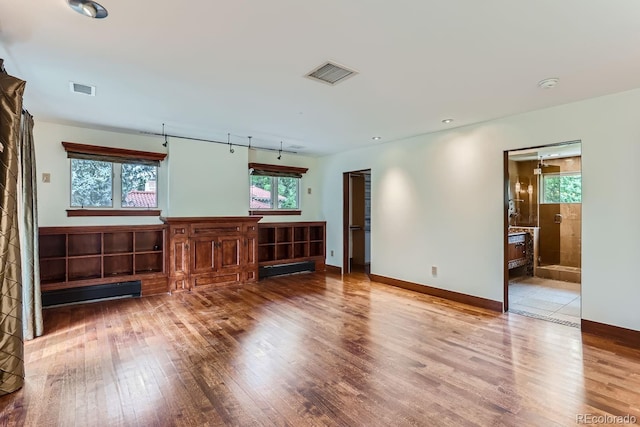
568 251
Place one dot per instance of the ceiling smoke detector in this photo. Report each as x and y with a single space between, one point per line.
548 83
331 73
88 8
82 89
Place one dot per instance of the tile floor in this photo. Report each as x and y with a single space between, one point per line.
545 299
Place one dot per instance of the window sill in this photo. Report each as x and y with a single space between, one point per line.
112 212
275 212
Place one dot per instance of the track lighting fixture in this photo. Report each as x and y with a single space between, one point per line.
249 142
231 150
280 151
166 142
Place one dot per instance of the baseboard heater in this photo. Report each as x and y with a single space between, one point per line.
94 292
277 270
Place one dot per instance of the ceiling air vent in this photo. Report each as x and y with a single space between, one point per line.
83 89
331 73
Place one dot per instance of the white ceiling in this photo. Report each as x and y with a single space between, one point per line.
209 67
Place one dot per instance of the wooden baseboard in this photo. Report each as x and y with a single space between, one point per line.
624 336
441 293
333 269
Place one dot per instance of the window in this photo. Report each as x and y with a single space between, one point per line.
562 188
92 184
274 189
114 178
265 190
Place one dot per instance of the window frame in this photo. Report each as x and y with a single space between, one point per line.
117 157
559 175
274 172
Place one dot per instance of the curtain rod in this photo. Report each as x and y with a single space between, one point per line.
168 135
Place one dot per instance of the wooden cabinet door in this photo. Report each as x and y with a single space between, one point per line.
230 249
179 264
250 253
204 251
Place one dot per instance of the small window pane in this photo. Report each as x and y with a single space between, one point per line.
91 183
288 193
261 192
559 188
139 184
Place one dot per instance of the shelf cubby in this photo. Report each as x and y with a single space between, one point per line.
85 244
53 246
266 235
300 234
283 251
316 249
149 263
147 241
85 267
266 252
53 270
283 235
300 250
316 233
118 265
118 242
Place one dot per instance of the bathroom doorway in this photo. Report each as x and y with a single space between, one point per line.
543 232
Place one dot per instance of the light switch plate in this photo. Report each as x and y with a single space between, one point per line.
46 177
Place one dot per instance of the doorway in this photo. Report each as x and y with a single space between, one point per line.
357 222
543 232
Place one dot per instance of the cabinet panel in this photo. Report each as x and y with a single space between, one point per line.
180 257
229 252
203 253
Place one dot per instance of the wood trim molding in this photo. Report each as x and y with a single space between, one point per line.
440 293
275 212
210 219
332 269
112 212
624 336
113 152
277 168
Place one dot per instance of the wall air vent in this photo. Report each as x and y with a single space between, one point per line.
83 89
331 73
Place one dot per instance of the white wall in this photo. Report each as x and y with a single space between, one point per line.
196 178
437 200
54 197
205 179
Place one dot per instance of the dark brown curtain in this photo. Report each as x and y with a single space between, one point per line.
31 298
11 345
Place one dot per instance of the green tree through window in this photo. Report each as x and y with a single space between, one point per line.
91 183
562 188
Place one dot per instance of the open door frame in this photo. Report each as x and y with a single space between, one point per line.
505 221
346 215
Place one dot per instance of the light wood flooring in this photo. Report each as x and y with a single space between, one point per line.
312 350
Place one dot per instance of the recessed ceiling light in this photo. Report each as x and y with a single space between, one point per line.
548 83
447 121
88 8
376 138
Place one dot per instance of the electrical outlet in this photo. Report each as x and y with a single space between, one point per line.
332 252
434 270
46 177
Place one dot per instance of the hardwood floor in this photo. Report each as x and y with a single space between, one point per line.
308 350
